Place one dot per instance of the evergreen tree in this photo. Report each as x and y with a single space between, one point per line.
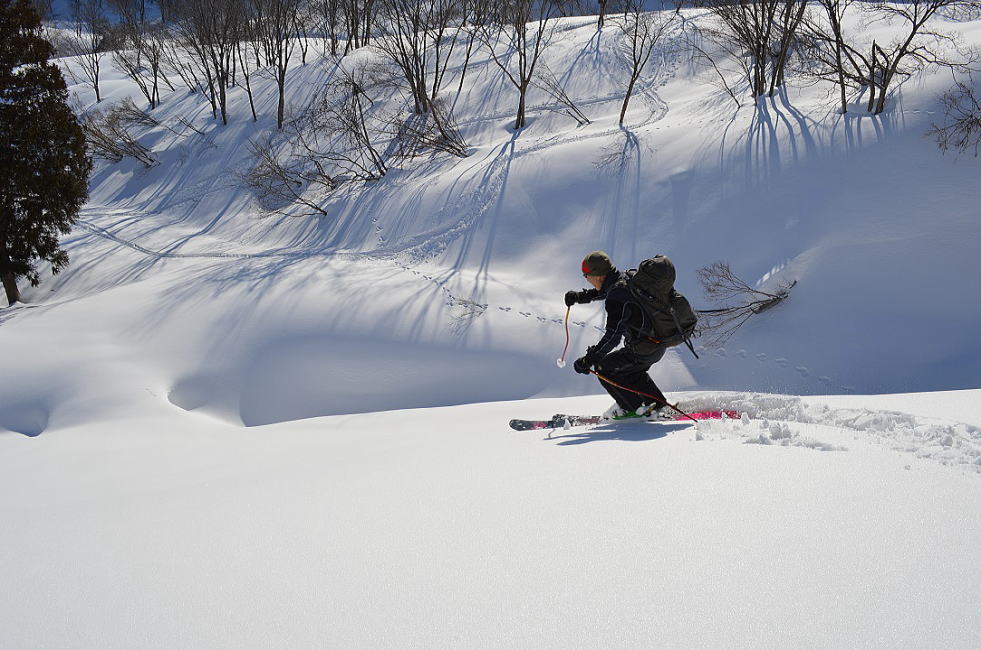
44 168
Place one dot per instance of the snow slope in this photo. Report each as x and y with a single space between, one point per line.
877 227
442 528
224 428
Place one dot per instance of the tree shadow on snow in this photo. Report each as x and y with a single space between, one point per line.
629 431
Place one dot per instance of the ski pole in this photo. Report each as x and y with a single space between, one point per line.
653 397
560 362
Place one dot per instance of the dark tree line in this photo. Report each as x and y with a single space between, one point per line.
44 168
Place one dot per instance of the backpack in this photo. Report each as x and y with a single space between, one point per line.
651 284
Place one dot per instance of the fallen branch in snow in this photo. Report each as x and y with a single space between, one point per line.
278 184
739 302
129 114
107 135
546 80
422 133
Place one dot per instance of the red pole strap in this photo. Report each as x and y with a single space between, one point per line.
653 397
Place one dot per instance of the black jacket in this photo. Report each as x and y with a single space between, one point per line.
624 317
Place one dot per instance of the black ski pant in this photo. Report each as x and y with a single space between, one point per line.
629 369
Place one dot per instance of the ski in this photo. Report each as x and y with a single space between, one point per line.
561 420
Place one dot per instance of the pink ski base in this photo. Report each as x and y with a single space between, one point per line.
710 415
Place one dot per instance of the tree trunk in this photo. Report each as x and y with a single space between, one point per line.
10 286
520 120
466 63
841 74
626 98
222 101
872 81
880 104
281 107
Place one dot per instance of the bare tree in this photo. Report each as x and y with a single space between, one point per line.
473 14
744 31
358 18
132 12
330 23
740 302
961 126
344 119
403 25
307 18
177 59
209 30
141 56
759 36
568 8
789 17
129 114
420 36
834 41
642 30
921 45
247 56
274 27
524 28
550 84
877 67
89 40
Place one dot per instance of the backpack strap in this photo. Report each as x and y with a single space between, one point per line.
684 334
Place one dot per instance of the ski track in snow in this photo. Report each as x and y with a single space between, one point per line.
766 421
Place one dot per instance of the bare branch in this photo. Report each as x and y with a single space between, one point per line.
737 299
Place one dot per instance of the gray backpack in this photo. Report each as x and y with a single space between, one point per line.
652 285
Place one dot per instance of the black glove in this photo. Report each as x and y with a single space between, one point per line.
581 297
582 365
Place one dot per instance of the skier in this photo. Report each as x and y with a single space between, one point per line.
627 320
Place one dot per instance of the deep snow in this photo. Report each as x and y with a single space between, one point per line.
443 528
